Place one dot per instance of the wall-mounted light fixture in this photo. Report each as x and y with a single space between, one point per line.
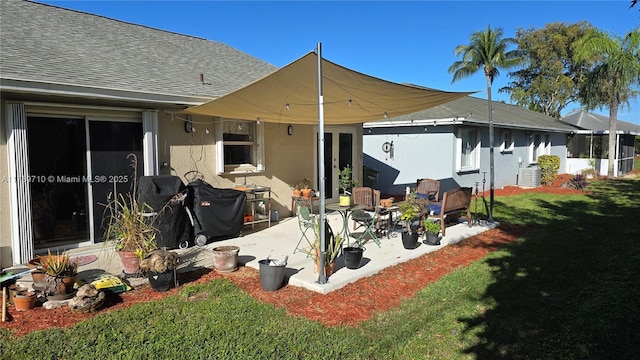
188 127
290 129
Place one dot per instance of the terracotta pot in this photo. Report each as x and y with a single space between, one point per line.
130 262
306 193
296 193
24 301
328 270
59 286
37 275
225 258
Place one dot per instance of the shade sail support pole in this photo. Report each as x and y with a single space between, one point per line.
322 279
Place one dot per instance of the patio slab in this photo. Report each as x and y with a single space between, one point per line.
276 242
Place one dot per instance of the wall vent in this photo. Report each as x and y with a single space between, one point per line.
529 177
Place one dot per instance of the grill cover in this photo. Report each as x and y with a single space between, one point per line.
172 222
217 212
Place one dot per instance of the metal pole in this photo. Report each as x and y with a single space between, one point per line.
322 279
491 165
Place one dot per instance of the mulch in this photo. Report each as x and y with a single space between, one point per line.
350 305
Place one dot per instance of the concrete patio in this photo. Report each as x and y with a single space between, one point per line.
276 242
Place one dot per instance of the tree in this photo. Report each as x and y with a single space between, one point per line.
487 51
614 73
550 80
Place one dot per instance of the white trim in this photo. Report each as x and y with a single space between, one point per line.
150 142
20 209
475 152
257 154
507 145
219 146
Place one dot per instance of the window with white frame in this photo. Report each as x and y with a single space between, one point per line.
507 143
239 146
538 145
468 149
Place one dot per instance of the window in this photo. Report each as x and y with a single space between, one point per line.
539 145
468 149
507 143
238 146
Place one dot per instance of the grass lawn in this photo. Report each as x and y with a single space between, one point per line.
567 290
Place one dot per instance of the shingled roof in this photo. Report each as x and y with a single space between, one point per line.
474 110
596 122
51 45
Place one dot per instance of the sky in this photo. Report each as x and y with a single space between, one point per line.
400 41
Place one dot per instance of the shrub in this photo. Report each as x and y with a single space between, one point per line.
549 166
577 182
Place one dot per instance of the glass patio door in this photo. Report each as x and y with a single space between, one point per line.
338 153
110 144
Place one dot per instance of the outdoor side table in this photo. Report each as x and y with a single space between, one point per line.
344 212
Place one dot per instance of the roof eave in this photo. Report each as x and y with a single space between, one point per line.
75 91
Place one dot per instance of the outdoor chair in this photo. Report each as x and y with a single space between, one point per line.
304 211
428 189
373 218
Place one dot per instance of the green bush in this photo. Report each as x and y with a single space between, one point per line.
549 165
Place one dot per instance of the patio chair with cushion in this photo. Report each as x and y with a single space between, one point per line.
428 189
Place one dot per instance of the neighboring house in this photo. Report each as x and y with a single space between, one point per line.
589 144
80 92
450 143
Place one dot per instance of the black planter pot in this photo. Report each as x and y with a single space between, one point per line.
431 238
410 241
352 256
162 281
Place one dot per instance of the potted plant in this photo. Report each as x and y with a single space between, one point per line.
409 213
431 229
129 227
295 190
160 266
305 188
346 183
59 273
333 245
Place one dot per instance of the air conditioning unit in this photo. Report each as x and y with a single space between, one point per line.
529 176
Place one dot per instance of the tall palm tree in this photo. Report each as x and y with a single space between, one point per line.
611 82
488 51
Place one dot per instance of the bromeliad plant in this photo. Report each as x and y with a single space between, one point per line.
58 265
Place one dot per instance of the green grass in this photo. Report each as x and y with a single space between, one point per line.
567 290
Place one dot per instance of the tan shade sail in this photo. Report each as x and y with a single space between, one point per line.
290 95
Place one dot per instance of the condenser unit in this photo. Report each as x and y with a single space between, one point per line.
529 176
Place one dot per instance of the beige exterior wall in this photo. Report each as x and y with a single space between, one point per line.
287 159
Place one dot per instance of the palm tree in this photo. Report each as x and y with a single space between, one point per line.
615 71
487 51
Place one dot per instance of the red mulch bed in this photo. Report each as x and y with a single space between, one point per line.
360 299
